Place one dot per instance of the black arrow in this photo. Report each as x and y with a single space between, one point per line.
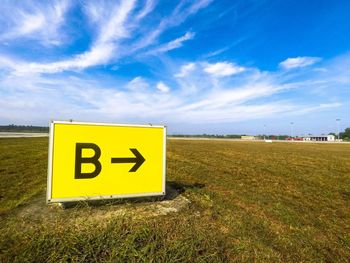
138 160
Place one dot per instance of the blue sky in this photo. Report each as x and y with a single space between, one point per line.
201 66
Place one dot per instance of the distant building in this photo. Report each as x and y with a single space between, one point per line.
247 137
320 138
294 139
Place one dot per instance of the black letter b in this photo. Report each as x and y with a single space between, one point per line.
94 160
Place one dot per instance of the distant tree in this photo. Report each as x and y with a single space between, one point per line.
345 135
22 128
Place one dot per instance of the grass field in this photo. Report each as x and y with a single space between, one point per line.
279 202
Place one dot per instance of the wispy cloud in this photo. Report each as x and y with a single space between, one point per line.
34 20
180 13
111 30
147 8
176 43
217 52
186 69
197 5
222 69
215 100
322 106
114 23
137 83
299 62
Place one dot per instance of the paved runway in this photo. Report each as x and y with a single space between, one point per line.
22 134
240 140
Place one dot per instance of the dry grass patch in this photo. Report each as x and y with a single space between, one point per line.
282 202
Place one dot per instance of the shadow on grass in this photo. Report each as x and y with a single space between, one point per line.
181 187
173 190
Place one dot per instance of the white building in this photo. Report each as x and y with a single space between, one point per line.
320 138
247 137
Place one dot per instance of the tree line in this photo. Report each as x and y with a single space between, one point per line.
22 128
345 135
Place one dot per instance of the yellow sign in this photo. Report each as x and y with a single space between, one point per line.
97 161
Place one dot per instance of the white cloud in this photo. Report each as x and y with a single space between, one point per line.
29 24
319 107
99 54
177 17
96 12
222 69
217 52
116 25
36 21
299 62
137 83
162 87
148 7
185 70
42 97
112 29
112 26
230 97
80 99
197 5
176 43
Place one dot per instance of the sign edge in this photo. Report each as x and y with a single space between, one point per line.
50 160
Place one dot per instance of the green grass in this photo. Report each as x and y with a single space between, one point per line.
23 165
249 201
